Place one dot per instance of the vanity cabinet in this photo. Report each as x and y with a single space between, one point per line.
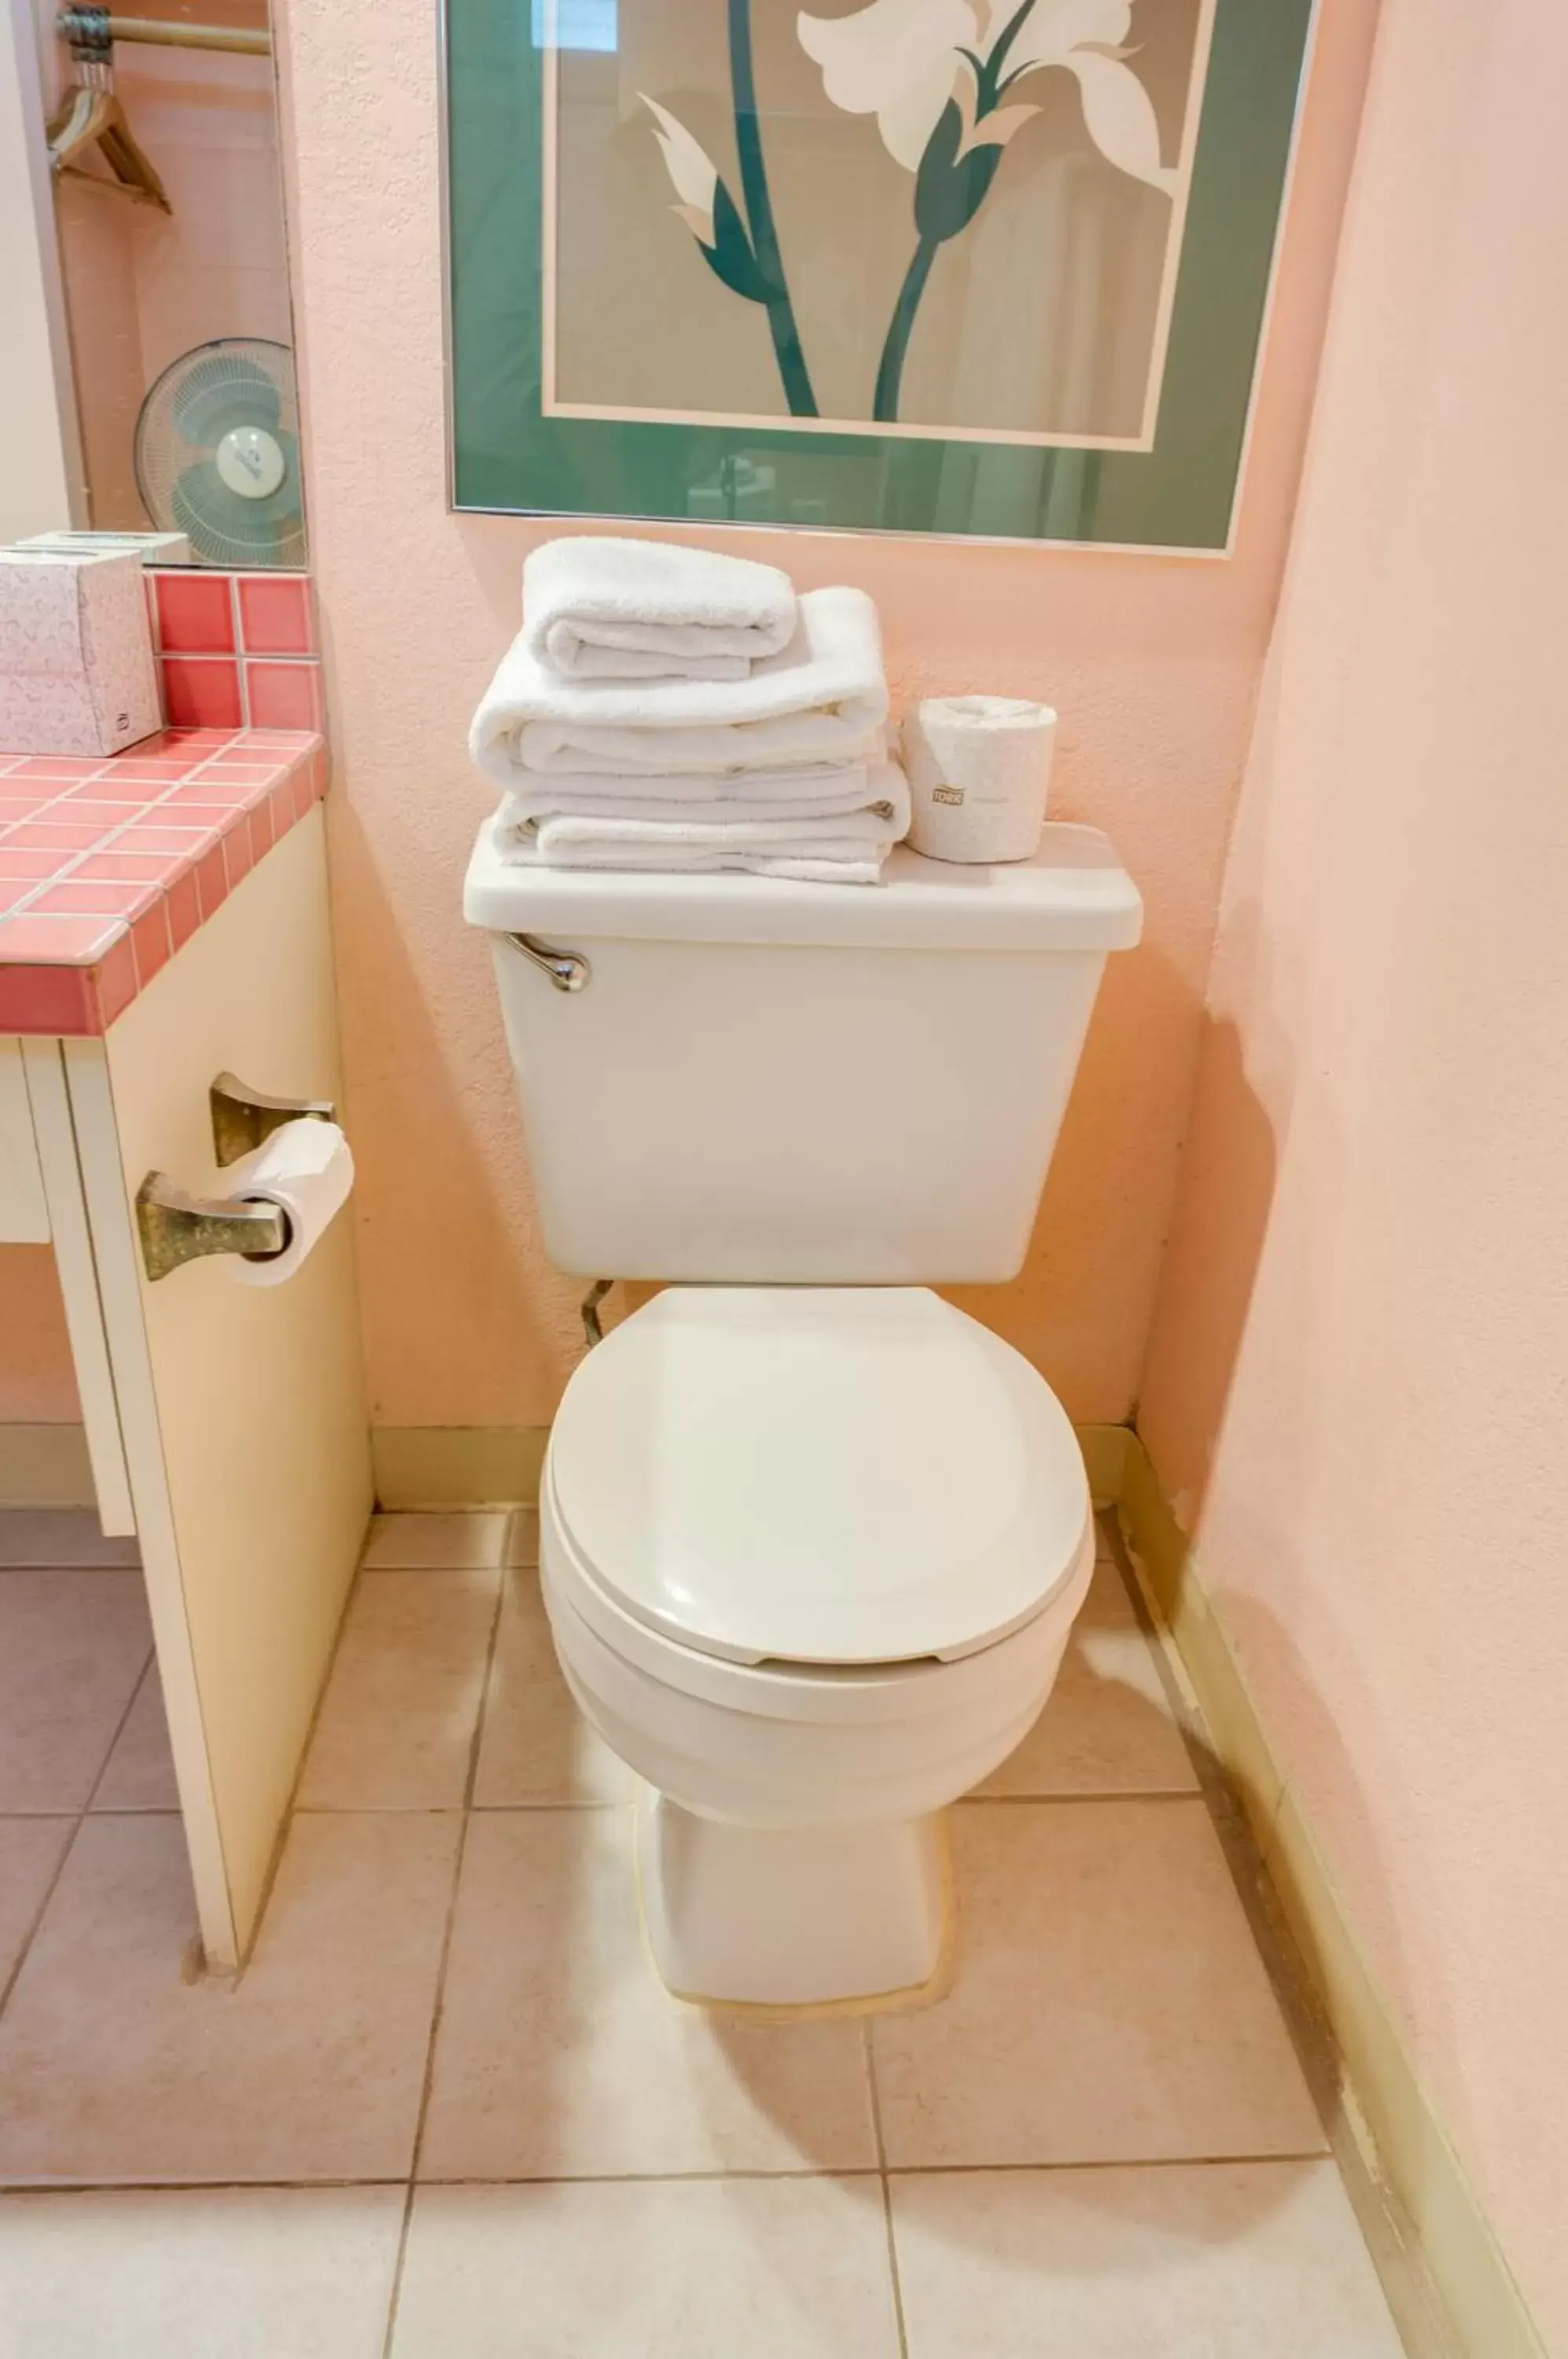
226 1423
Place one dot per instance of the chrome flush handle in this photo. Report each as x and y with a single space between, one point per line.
568 970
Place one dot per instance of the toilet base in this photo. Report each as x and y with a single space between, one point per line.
788 1917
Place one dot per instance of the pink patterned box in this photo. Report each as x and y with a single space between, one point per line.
77 674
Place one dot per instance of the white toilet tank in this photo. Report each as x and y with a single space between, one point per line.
765 1083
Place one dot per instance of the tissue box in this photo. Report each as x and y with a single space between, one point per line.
152 548
76 664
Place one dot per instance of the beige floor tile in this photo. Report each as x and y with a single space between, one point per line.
523 1536
737 2268
115 2067
537 1746
1106 1727
30 1850
397 1722
140 1772
1110 2006
72 1647
462 1542
59 1536
1257 2260
559 2053
223 2273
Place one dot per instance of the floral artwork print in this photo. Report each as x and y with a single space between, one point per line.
950 84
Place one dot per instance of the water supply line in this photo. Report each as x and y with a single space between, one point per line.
592 1325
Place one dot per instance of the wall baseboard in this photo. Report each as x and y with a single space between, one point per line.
496 1465
1387 2110
457 1465
415 1465
45 1466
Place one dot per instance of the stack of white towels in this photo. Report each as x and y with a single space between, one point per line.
665 708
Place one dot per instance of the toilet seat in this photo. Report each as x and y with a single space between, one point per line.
805 1478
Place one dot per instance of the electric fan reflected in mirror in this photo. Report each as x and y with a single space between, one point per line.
251 462
217 454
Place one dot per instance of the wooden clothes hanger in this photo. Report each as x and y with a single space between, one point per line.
91 115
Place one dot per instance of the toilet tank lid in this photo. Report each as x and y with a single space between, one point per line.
1073 894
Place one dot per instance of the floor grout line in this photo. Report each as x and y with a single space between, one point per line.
475 1746
895 2283
1315 2158
446 1810
15 1976
982 1800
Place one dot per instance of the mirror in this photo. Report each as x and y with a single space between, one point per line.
169 211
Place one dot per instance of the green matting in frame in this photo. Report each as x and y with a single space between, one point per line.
719 261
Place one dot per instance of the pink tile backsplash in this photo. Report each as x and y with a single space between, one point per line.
195 614
201 691
103 878
274 614
284 695
237 649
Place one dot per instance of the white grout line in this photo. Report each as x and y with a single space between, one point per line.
241 683
896 2283
475 1743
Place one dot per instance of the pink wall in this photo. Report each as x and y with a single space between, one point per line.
1153 664
1358 1384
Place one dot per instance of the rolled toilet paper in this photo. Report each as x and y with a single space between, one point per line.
979 768
306 1168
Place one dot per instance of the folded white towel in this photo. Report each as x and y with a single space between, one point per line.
845 847
605 609
798 798
823 699
801 866
840 786
559 836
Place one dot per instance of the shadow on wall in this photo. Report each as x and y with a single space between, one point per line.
1223 1233
1079 1306
415 1242
1227 1179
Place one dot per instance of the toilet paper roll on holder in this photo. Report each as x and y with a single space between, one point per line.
176 1227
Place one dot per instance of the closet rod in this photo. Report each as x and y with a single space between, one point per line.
74 23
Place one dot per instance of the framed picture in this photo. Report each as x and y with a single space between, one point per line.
985 267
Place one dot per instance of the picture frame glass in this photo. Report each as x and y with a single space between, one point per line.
986 267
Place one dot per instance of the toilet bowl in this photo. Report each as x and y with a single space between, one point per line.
811 1559
812 1539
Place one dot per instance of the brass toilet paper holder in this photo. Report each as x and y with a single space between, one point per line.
176 1227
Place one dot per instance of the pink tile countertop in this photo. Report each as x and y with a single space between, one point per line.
108 866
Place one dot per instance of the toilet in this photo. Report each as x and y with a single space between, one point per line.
812 1539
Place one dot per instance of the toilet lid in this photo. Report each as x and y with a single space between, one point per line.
818 1475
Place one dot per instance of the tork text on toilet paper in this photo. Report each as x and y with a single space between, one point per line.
979 768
